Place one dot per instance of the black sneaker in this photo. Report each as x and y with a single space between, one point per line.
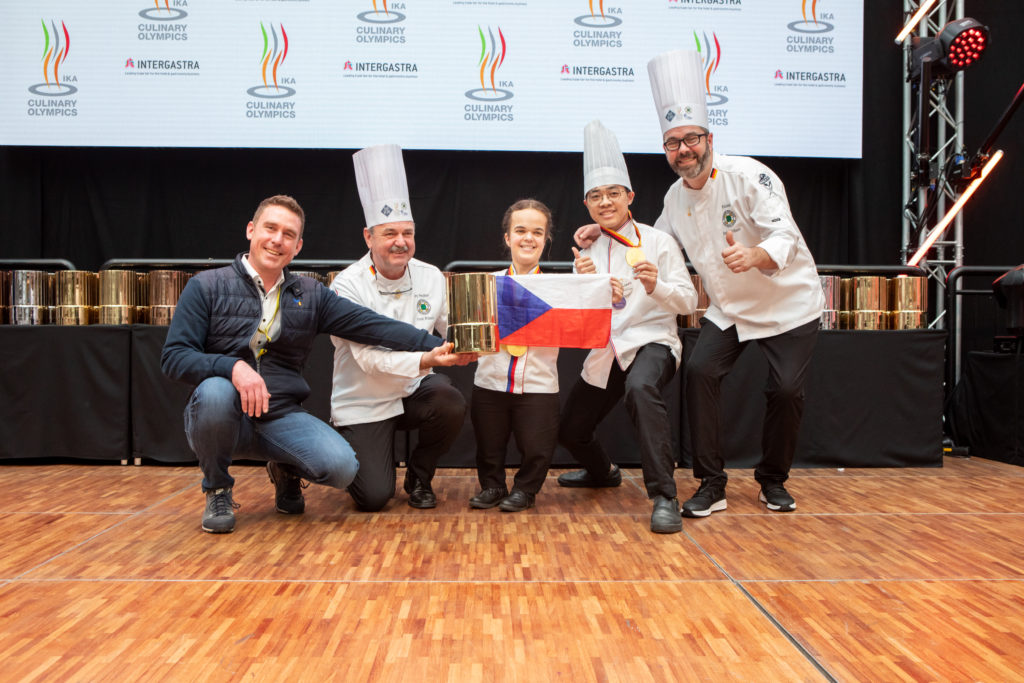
581 479
219 515
665 519
288 496
709 498
776 498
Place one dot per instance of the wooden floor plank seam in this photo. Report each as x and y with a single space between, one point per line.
128 516
796 644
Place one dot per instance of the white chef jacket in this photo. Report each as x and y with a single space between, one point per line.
370 382
534 372
745 196
645 319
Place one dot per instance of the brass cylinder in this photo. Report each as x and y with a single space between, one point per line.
165 286
331 275
907 320
844 320
5 297
77 288
117 315
77 315
702 296
908 293
829 320
868 320
30 297
118 288
830 287
846 294
472 312
868 293
161 315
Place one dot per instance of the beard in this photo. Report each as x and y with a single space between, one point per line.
694 171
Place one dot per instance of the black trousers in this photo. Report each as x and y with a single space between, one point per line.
436 409
532 418
640 386
788 355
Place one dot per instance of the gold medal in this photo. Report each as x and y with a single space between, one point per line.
634 255
515 349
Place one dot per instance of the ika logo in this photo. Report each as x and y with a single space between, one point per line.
711 56
492 56
275 51
55 53
813 22
600 19
167 13
383 15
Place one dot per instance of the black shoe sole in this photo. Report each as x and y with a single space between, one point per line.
485 506
427 505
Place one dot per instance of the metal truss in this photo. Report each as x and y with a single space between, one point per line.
933 155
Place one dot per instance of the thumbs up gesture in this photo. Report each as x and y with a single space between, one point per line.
740 258
583 264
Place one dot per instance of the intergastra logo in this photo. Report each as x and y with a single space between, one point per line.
600 19
165 13
53 92
811 21
710 49
56 46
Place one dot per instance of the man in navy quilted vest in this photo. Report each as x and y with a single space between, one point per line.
241 334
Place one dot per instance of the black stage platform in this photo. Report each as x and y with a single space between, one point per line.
874 399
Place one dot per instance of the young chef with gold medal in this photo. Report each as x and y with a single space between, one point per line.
651 286
516 390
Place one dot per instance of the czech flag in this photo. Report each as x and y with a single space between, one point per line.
567 311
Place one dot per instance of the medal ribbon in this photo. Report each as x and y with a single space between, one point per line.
622 239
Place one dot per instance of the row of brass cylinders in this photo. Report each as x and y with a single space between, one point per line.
854 303
81 297
874 303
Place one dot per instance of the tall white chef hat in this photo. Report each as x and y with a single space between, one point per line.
677 84
602 160
383 190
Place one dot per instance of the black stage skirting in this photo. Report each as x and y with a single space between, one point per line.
987 408
874 399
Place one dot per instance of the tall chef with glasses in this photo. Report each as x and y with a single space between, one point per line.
377 392
731 216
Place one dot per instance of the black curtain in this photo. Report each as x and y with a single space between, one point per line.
89 205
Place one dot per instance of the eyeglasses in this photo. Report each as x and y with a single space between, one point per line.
672 144
597 196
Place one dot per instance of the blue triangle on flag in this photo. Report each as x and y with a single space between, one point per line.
517 306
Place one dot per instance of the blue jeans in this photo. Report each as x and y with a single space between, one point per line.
219 432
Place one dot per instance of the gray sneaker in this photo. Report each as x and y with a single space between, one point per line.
219 515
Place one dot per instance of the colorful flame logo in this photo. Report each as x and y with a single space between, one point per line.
804 26
374 17
597 19
276 55
814 12
711 57
54 52
492 57
165 13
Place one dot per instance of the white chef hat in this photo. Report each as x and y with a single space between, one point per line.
383 190
677 84
602 159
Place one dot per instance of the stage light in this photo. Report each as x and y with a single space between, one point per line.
940 227
959 44
915 20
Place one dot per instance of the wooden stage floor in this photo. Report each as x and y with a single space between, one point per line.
879 575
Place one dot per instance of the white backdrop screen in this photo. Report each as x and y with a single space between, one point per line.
785 75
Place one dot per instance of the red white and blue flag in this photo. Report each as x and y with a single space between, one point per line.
567 311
